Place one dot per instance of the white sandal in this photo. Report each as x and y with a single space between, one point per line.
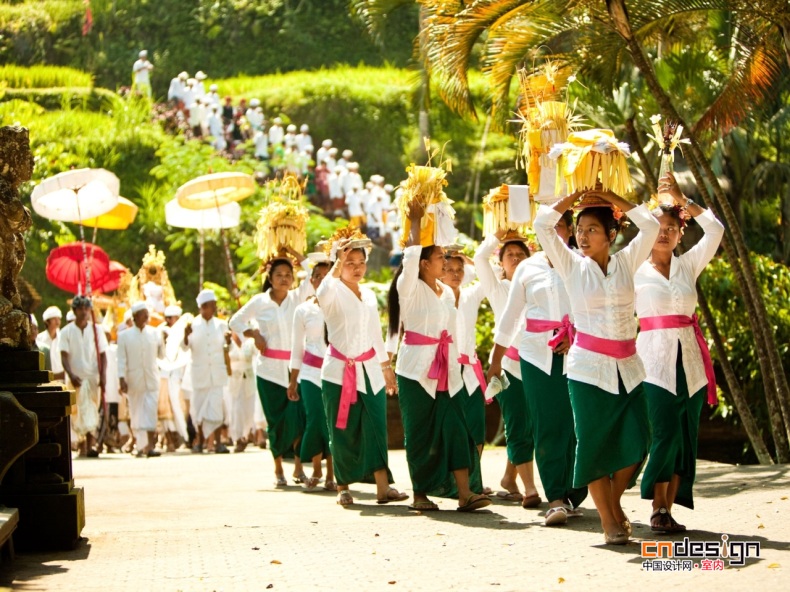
556 516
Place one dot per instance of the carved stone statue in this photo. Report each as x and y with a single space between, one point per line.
16 167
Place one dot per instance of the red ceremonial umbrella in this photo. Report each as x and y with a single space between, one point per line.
66 267
117 271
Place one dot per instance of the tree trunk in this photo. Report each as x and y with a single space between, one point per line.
734 386
777 395
424 120
644 163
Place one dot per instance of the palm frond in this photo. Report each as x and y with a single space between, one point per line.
754 77
374 14
448 39
523 41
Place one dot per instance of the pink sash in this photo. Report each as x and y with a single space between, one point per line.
477 366
348 394
565 328
440 367
312 360
613 348
677 322
277 354
512 353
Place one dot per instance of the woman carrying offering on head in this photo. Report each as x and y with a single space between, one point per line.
512 401
538 294
273 312
605 373
676 357
307 358
355 374
440 449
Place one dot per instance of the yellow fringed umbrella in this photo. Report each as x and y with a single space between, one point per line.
118 218
214 190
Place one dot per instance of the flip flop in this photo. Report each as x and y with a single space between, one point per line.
531 501
510 496
330 486
397 497
281 482
344 498
556 516
428 506
300 479
475 502
312 483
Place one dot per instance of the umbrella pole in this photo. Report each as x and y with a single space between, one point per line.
231 271
228 258
202 240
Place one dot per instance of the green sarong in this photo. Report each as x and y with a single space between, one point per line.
518 424
361 449
316 435
552 424
674 422
475 414
437 440
284 418
612 431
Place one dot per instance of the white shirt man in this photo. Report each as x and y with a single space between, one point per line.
261 145
335 183
216 130
50 338
352 179
290 137
207 338
200 87
188 95
139 348
254 115
79 343
323 153
303 138
171 374
177 86
141 72
345 159
331 159
276 132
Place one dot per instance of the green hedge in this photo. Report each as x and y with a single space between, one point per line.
220 38
43 77
90 99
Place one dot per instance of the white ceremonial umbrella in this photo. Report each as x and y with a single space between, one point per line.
214 191
227 216
74 196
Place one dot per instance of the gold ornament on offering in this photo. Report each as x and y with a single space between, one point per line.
283 222
667 140
545 120
350 233
423 191
593 159
496 213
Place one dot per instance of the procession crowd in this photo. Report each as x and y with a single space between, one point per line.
332 177
582 398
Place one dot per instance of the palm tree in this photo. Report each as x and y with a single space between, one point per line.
596 39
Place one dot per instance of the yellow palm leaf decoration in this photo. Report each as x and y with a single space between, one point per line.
591 157
283 222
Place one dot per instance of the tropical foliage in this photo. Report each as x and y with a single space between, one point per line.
718 64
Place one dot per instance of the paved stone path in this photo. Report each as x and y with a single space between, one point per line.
188 522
